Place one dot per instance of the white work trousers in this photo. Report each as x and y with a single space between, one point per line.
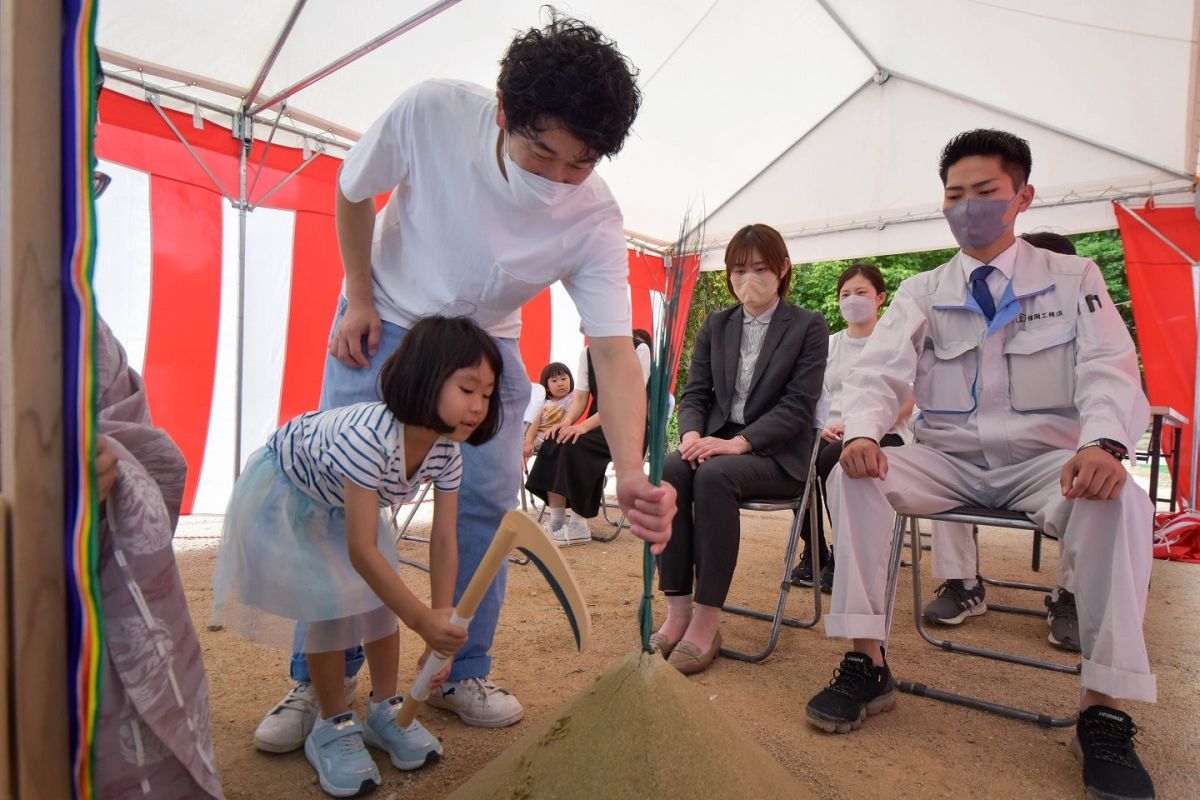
1107 545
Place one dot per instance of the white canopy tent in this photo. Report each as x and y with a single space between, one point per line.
823 118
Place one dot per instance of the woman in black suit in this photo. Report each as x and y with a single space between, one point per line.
746 425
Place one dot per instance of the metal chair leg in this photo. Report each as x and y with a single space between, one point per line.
893 576
777 619
621 523
1029 587
401 531
402 534
922 690
946 644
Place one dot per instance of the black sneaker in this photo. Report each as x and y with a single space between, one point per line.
858 690
802 575
1063 620
953 602
827 576
1103 743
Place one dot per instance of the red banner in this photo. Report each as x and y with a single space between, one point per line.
1164 310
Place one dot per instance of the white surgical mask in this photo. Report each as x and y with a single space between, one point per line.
856 308
755 289
532 192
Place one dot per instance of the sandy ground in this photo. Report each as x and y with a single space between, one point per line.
922 749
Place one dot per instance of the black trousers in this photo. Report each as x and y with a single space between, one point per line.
828 454
706 531
575 471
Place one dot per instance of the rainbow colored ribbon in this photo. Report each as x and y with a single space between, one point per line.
85 632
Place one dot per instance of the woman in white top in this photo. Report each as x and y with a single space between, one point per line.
861 296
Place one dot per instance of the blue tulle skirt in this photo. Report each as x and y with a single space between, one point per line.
283 559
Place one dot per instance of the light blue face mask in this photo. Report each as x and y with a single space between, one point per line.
977 222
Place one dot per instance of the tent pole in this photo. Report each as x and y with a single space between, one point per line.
1176 172
241 130
354 55
152 98
325 127
262 159
283 181
796 234
269 62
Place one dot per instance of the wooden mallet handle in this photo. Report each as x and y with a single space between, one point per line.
485 573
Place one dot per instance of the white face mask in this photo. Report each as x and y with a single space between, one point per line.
532 192
856 308
755 289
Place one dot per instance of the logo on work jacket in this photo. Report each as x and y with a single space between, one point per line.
1039 315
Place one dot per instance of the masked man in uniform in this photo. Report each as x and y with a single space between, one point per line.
1031 398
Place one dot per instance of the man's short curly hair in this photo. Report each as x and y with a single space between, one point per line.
570 71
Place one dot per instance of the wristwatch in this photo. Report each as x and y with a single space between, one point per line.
1110 446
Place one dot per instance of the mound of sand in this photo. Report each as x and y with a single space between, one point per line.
641 731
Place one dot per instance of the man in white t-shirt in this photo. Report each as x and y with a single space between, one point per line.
493 198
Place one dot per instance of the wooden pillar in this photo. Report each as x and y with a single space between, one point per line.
35 762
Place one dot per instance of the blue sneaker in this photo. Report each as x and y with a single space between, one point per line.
409 748
335 749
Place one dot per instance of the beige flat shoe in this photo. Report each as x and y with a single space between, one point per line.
660 644
687 658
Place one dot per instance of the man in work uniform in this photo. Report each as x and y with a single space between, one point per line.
1031 397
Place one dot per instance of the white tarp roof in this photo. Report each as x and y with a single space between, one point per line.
823 118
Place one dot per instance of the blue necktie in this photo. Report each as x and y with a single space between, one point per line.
979 288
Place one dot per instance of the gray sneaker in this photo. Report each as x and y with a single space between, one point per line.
286 726
1063 620
954 602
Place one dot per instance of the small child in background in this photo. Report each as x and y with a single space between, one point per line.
559 383
305 540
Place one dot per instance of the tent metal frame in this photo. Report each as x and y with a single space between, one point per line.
251 107
881 76
243 120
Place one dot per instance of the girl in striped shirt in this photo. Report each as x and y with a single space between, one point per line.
306 537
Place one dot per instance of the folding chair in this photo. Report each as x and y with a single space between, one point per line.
620 523
799 506
533 412
976 517
402 534
401 531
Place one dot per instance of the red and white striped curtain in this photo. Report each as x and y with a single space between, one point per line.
167 284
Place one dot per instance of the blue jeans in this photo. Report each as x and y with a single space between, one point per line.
491 475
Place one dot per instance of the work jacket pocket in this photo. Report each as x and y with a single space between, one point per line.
1041 368
946 375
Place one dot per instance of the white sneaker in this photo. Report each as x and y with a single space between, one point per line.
550 528
575 531
287 725
478 702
